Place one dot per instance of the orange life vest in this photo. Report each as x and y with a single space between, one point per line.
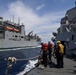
45 46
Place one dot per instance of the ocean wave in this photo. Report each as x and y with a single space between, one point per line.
10 49
30 65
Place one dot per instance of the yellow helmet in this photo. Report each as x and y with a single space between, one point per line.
58 42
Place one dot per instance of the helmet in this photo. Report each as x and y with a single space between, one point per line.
58 42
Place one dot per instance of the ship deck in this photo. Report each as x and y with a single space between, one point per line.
69 69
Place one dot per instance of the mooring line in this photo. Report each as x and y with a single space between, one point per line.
27 58
12 60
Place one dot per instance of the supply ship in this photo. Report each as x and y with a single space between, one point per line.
13 35
15 43
66 33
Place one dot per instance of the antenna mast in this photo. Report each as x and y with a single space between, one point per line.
18 20
13 18
10 19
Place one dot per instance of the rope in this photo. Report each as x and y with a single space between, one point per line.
27 58
12 60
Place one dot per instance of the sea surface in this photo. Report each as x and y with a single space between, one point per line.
30 65
21 66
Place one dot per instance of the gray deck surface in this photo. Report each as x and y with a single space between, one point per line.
69 69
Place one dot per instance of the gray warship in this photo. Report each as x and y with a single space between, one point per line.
66 33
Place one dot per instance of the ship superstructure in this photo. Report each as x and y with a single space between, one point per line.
14 35
66 33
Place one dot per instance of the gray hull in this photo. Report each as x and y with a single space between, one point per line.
14 44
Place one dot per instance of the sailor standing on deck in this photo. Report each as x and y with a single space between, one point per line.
45 48
59 54
49 50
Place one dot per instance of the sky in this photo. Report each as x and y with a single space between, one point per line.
40 16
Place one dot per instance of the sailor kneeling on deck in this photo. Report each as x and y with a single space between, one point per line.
40 61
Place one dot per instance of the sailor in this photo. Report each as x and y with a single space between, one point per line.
45 48
40 61
50 50
42 47
59 54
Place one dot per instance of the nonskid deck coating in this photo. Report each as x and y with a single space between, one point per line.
69 69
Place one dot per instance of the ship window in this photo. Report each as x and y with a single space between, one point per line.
22 37
72 37
15 35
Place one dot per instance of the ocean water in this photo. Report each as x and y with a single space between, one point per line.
22 66
30 65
